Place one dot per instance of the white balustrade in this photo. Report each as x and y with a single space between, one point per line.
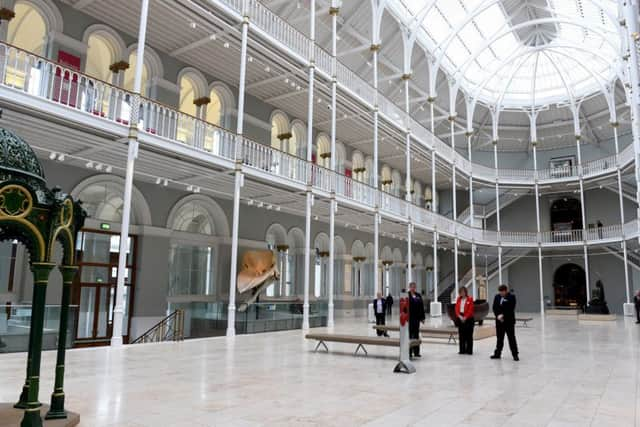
41 78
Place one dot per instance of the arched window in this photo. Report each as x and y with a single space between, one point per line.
187 95
102 197
215 108
323 148
100 55
28 29
192 260
193 218
276 238
130 73
279 127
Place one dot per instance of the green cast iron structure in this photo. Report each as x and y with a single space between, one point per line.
38 218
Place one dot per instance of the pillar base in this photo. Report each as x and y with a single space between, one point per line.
435 309
56 410
629 309
10 417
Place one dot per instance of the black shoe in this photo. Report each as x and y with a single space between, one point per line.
470 353
461 352
495 356
386 335
516 358
637 321
417 355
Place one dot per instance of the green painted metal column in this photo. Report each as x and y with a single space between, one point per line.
57 411
41 272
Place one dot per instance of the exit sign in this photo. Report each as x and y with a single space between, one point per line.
105 226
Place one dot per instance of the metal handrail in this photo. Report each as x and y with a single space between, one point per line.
171 328
82 93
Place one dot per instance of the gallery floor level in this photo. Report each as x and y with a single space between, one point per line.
571 374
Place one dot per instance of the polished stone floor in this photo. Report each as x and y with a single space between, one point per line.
571 374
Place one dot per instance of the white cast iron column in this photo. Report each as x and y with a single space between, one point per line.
132 155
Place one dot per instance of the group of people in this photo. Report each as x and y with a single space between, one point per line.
504 306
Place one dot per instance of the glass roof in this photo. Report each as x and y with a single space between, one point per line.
520 53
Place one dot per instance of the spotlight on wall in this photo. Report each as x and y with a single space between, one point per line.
267 68
193 25
226 45
269 207
158 181
89 165
213 37
109 169
250 202
196 190
166 182
99 166
278 208
53 156
189 187
260 204
315 217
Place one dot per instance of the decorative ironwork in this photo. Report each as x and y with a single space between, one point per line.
38 217
171 328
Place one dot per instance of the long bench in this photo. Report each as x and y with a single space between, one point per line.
449 333
524 320
360 340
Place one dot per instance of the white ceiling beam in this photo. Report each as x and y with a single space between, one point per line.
286 95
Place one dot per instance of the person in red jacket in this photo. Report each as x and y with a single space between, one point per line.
465 322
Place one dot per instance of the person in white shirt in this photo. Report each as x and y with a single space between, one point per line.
380 309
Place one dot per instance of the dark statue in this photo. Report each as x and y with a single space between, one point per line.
598 302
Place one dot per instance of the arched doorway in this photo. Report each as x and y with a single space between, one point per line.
569 286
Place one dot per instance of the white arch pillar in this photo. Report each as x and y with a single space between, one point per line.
533 115
132 155
309 195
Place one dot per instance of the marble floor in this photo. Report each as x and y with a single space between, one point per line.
571 374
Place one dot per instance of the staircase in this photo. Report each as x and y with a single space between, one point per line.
171 328
632 258
448 294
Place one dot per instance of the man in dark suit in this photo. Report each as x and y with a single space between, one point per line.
389 303
636 300
504 308
416 316
380 310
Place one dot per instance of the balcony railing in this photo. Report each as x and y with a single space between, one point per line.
40 78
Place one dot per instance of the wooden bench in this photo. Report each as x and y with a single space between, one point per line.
357 339
524 320
449 333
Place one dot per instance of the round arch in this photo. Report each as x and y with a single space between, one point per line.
199 81
295 238
33 22
276 235
102 199
298 141
321 242
116 44
358 249
279 125
222 103
200 214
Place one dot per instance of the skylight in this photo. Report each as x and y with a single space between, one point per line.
517 53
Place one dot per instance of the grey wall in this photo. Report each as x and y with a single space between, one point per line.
523 276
